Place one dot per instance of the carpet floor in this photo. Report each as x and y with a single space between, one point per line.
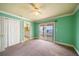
38 48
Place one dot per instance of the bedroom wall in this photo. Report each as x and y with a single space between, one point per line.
77 30
35 30
64 29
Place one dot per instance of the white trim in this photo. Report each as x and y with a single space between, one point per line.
68 45
64 44
14 15
76 50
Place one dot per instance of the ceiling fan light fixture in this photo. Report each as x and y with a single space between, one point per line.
37 13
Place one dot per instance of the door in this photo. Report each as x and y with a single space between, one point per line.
47 31
12 32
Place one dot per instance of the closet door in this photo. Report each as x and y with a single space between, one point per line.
13 32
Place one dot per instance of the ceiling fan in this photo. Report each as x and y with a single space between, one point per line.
35 8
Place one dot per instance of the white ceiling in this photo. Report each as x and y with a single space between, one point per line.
46 9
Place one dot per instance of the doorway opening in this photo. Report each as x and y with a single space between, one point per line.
26 31
47 31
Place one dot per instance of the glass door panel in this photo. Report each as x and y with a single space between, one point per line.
47 32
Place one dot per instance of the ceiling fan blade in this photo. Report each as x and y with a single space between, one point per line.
34 6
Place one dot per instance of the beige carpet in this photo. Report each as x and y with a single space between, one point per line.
38 48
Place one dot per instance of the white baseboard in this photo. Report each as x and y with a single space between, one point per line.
76 51
68 45
64 44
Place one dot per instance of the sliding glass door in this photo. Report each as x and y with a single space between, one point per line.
47 31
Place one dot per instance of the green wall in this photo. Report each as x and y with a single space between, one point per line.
35 30
21 30
77 30
64 29
74 28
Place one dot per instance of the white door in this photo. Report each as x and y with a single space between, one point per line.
13 32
